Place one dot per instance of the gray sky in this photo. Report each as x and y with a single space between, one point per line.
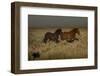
41 21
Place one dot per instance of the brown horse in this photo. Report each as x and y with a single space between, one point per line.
70 36
52 36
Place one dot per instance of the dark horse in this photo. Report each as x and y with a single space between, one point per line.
52 36
70 36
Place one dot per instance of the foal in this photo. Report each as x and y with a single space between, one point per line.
70 36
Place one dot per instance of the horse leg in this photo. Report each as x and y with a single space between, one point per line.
76 39
70 40
57 41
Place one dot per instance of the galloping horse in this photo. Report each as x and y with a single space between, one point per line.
70 36
52 36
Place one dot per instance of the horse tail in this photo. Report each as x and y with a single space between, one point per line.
45 39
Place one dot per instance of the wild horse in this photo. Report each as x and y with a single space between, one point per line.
52 36
70 36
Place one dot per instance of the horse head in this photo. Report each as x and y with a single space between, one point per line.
58 31
76 30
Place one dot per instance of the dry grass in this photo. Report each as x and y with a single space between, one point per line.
62 50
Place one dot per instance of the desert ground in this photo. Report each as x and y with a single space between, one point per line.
61 50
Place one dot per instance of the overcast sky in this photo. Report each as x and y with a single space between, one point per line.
39 21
